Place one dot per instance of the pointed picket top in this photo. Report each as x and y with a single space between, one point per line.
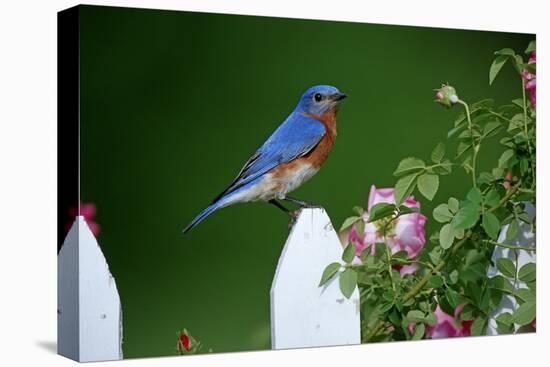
302 313
89 310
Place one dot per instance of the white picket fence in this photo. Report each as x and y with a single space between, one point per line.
525 238
89 314
302 313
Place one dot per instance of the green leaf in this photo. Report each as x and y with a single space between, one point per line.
531 47
462 148
386 307
349 222
407 210
505 324
503 160
479 327
418 332
513 229
401 255
365 256
517 61
501 283
442 214
446 236
456 129
453 277
444 168
409 165
497 64
485 178
436 281
452 297
438 153
360 228
492 198
415 316
466 217
491 129
505 51
525 313
474 195
491 224
525 295
453 205
531 67
528 272
431 319
484 303
428 185
359 210
524 217
505 318
506 267
381 210
348 282
404 187
389 295
329 272
349 253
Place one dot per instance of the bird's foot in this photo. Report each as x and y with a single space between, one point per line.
293 218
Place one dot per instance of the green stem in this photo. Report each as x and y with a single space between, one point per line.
475 148
389 257
499 115
511 247
516 273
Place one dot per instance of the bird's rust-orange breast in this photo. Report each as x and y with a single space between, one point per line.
318 155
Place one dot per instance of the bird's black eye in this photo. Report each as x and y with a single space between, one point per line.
318 97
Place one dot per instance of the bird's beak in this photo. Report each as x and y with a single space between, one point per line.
338 96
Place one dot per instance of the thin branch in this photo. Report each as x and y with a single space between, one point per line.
511 247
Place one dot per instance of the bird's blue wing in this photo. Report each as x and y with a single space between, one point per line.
297 136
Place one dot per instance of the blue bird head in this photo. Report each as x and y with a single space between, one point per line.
320 99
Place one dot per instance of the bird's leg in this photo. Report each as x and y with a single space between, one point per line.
280 206
301 203
291 214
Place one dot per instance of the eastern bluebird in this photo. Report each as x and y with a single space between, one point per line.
289 157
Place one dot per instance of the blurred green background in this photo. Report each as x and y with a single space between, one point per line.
172 105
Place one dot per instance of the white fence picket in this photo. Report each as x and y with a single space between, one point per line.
89 321
525 237
303 314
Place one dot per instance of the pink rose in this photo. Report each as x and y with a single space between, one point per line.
405 233
447 326
531 80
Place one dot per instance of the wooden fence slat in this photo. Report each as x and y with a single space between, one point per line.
89 315
303 314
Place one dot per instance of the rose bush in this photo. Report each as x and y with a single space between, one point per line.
411 288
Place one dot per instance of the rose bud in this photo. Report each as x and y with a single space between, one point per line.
446 95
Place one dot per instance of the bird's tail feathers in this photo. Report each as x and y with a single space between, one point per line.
202 215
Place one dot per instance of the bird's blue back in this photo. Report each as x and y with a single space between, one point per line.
296 136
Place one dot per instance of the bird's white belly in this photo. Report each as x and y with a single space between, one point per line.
273 186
